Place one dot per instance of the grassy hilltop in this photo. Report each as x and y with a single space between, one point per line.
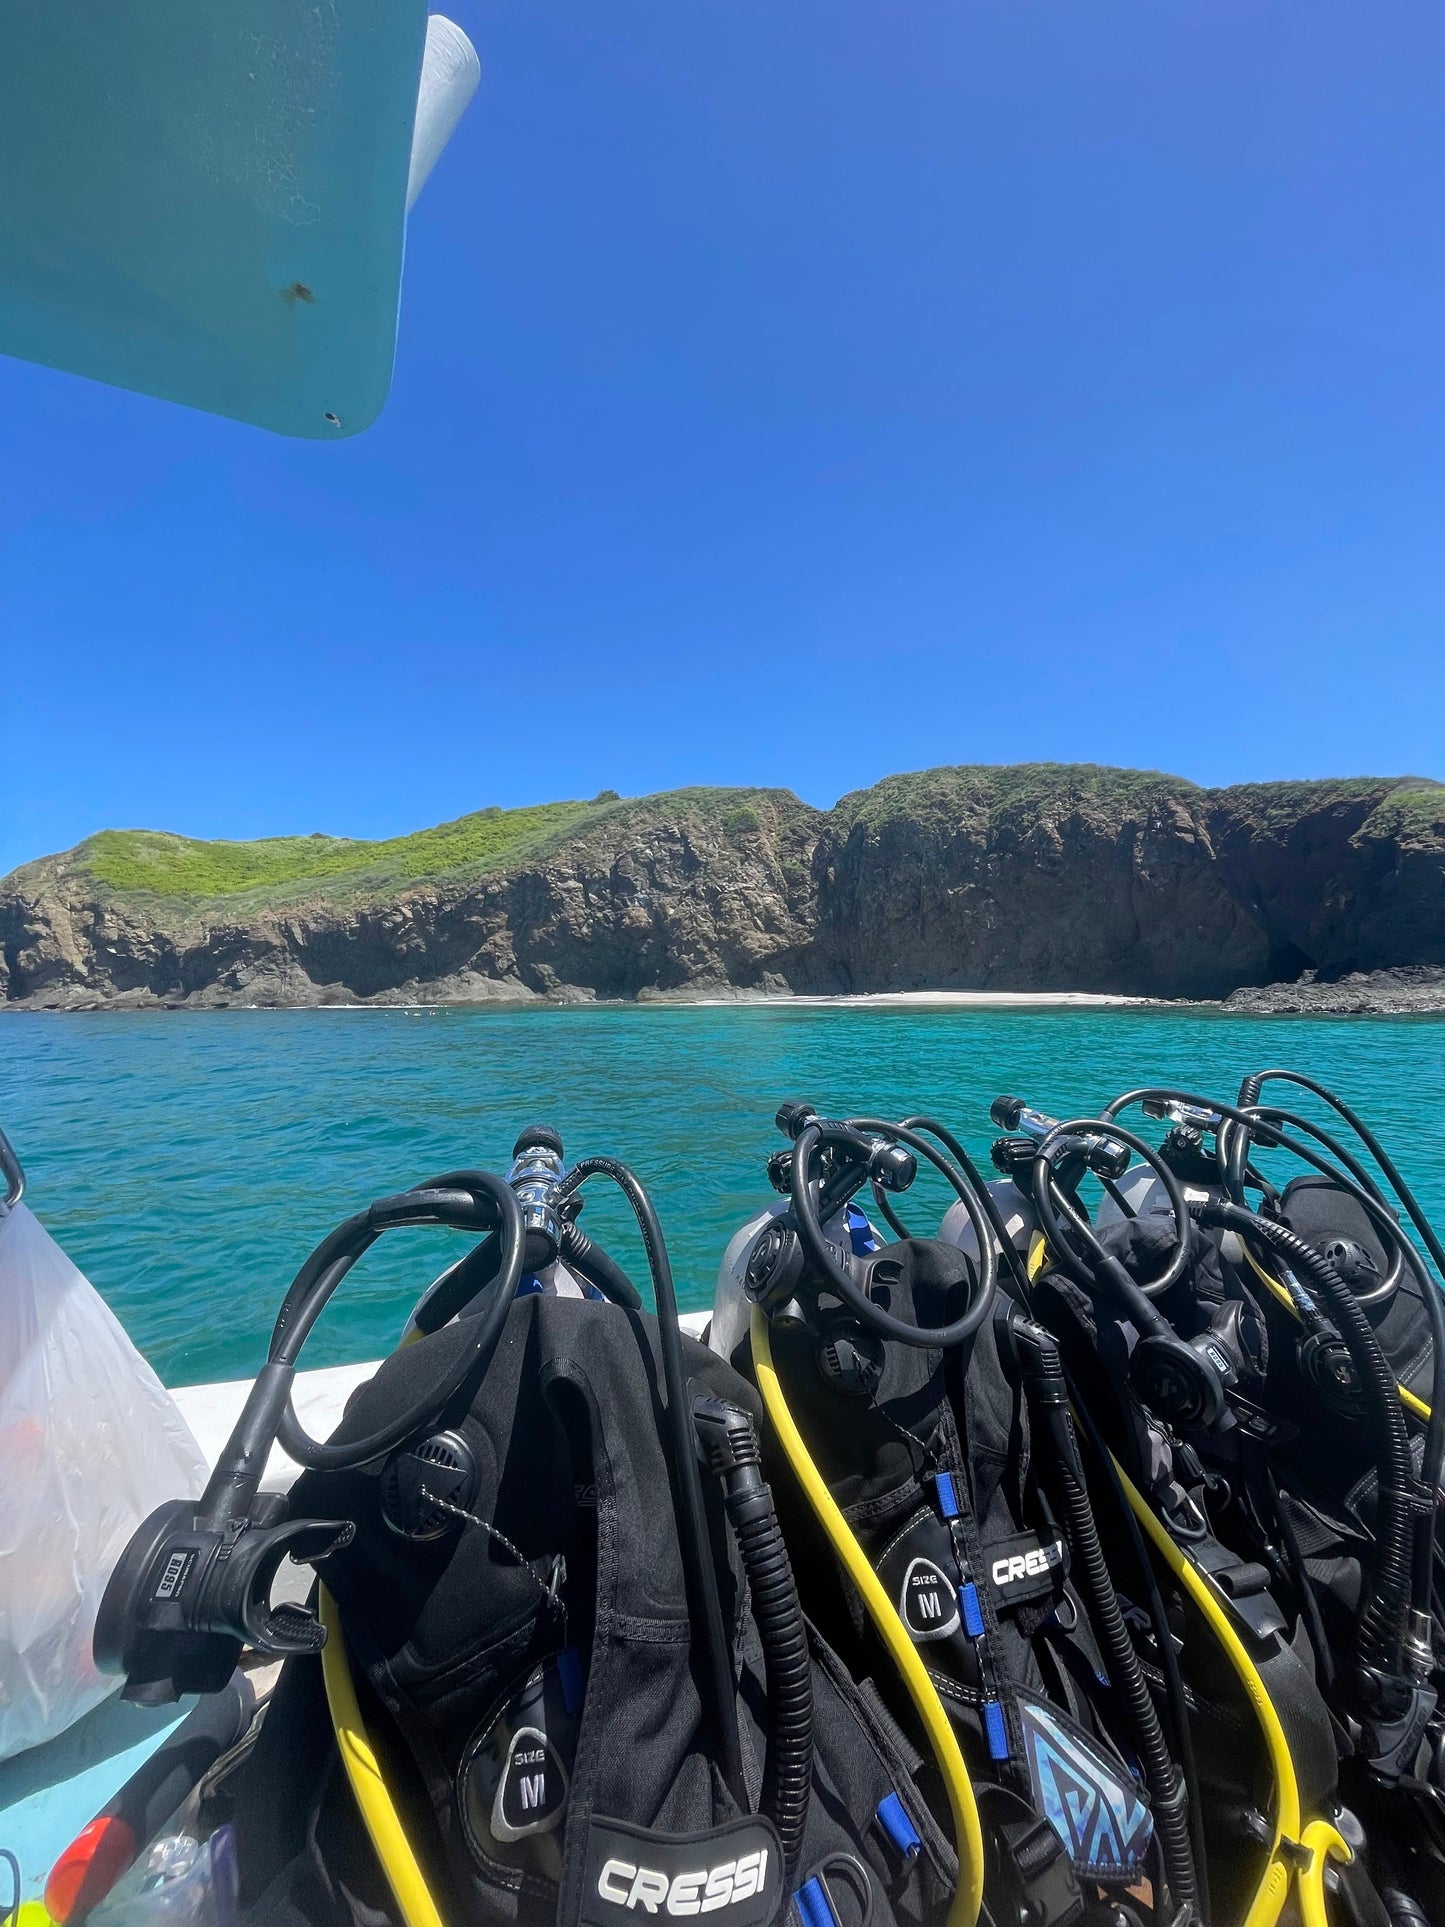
159 864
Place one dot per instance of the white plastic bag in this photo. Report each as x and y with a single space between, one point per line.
90 1442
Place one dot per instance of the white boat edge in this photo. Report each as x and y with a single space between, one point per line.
320 1398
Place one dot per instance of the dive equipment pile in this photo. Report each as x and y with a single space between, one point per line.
1071 1556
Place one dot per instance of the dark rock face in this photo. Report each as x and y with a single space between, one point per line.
1041 877
1098 887
1345 876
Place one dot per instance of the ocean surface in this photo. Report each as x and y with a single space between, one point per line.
189 1161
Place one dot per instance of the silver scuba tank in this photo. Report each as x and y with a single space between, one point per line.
1146 1197
1015 1208
732 1307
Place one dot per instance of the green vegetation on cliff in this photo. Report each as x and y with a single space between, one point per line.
155 863
962 791
1415 810
1393 800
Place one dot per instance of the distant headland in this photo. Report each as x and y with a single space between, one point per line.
1039 877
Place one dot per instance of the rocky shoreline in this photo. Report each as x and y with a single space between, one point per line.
1360 993
1267 898
1383 993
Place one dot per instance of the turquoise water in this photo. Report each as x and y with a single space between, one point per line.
189 1161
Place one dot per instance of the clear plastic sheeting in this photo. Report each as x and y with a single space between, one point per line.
180 1882
90 1443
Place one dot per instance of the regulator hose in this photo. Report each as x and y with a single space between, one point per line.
1403 1254
888 1212
1359 1184
805 1212
967 1830
1094 1263
1233 1169
1272 1891
788 1766
384 1826
1175 1693
986 1198
971 1192
729 1440
1249 1094
591 1262
466 1280
1383 1619
466 1200
458 1286
1049 1398
1434 1460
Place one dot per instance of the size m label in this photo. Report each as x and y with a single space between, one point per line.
928 1603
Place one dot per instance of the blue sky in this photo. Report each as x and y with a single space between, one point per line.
794 391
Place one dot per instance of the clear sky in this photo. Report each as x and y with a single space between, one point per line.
791 392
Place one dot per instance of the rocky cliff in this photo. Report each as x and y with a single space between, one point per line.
1037 877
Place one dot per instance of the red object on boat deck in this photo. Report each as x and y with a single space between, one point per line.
103 1849
89 1867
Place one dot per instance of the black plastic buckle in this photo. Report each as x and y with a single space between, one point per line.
1394 1738
1048 1887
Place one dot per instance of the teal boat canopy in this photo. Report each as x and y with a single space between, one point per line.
205 200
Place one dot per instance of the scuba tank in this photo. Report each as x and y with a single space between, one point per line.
929 1485
555 1669
1177 1362
1013 1219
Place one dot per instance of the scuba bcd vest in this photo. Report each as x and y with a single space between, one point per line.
517 1606
1198 1389
516 1612
944 1474
557 1663
1300 1485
